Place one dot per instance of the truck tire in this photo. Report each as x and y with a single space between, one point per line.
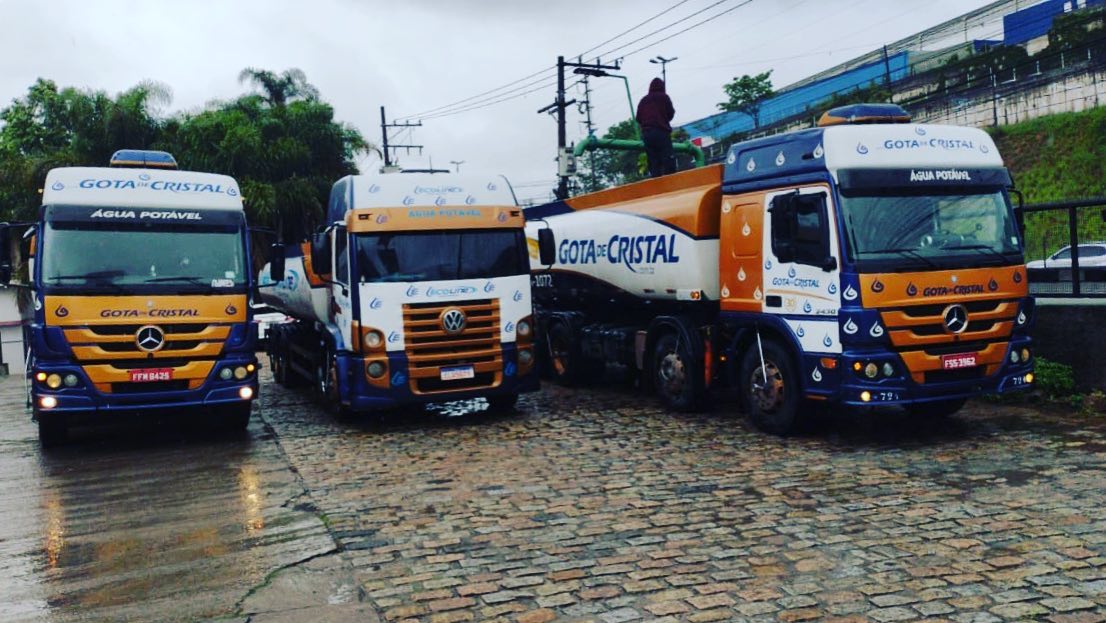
502 403
937 410
773 406
567 363
52 431
329 394
677 377
234 416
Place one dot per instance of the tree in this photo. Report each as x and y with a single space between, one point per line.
747 93
280 88
614 168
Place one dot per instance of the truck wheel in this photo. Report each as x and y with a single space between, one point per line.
566 363
52 431
771 391
938 409
676 374
502 403
330 394
235 416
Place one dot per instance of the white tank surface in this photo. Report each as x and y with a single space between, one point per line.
295 295
656 239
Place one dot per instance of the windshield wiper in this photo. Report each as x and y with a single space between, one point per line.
981 247
99 279
911 253
184 279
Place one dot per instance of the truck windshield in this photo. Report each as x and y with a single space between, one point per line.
900 229
85 256
441 256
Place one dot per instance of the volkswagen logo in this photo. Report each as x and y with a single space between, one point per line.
149 338
453 321
956 318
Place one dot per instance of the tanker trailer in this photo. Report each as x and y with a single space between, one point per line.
416 291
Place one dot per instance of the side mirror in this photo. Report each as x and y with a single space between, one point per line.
6 251
830 264
276 262
320 253
547 247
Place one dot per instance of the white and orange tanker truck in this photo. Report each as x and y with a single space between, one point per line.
868 261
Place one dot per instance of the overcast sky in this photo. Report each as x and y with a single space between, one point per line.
417 55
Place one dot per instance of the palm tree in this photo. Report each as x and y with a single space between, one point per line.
279 88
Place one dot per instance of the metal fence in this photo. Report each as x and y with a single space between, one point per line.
1065 248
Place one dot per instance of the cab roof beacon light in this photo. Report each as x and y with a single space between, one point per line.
854 114
143 159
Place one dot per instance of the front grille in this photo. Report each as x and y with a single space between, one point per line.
131 329
145 388
949 376
973 307
129 347
429 347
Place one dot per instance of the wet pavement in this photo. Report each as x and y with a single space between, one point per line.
589 504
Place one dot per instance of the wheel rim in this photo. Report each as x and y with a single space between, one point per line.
558 355
331 388
767 396
671 374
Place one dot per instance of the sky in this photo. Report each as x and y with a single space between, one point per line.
417 56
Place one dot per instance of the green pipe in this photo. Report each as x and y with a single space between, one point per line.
592 142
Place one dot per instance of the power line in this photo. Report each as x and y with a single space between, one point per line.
639 25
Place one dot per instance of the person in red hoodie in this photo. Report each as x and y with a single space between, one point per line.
654 115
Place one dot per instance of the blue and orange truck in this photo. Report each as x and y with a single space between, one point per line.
867 261
139 294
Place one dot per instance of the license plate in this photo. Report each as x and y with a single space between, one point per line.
958 361
150 375
457 373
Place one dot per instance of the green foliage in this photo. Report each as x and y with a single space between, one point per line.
615 168
1076 29
283 145
747 93
1055 380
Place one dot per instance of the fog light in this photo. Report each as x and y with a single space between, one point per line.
1025 354
1029 377
523 328
865 396
376 369
888 369
226 374
53 381
871 370
71 380
245 393
48 402
525 357
1013 356
250 367
374 339
240 373
40 377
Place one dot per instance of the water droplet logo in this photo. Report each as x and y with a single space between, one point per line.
850 327
492 186
816 375
440 201
470 200
877 286
800 331
725 291
232 191
726 208
767 264
509 369
1017 276
732 158
757 294
850 294
509 327
489 287
955 278
61 312
780 159
57 186
517 296
807 307
920 131
746 230
751 165
832 288
791 272
393 337
376 303
911 290
408 201
38 303
827 341
373 188
992 285
398 379
412 291
741 276
876 330
231 310
983 148
1022 317
818 151
145 177
861 149
381 219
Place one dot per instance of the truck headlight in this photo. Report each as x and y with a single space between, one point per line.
375 369
1014 356
525 357
523 328
888 369
373 339
1025 354
53 381
70 380
240 373
871 370
226 374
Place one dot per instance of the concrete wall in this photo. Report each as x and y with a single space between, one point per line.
1073 333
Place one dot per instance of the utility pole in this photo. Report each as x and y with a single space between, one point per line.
384 125
886 69
662 61
560 104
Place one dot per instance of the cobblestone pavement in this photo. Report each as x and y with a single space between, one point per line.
596 505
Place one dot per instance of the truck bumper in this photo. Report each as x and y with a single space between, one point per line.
85 400
901 389
363 396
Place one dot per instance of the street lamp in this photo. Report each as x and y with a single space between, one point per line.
662 61
456 165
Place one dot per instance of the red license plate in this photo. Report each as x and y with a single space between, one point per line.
150 375
958 361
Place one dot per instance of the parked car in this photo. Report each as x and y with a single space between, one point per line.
1091 254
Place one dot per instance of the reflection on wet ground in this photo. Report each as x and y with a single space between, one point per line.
154 520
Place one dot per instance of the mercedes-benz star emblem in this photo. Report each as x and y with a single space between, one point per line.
453 321
956 318
150 338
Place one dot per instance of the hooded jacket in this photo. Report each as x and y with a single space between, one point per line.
655 110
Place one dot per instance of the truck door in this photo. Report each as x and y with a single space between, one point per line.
802 265
341 288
